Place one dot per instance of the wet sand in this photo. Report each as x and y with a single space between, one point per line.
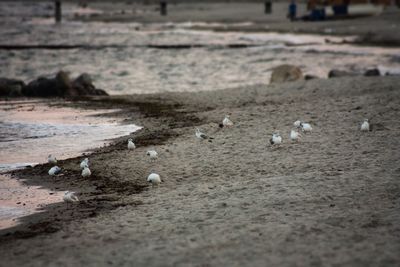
332 199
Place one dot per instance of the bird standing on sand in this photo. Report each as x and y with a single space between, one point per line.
306 127
153 155
131 145
84 163
70 197
154 178
86 172
297 124
276 139
54 170
51 159
201 135
226 122
365 126
294 136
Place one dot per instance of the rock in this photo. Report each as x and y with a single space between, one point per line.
100 92
62 86
84 85
45 87
341 73
286 73
310 77
11 87
372 72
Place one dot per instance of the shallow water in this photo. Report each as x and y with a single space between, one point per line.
29 131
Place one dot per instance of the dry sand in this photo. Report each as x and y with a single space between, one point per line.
331 200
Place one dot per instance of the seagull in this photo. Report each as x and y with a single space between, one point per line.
226 122
306 127
51 159
154 178
152 154
54 170
294 135
276 139
84 163
202 136
70 197
86 172
131 145
365 126
297 124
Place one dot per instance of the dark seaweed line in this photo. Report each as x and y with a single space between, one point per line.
92 47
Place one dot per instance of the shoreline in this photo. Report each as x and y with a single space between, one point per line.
102 190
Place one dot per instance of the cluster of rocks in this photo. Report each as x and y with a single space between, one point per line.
342 73
59 86
289 73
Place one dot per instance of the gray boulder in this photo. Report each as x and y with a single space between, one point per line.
286 73
60 85
11 87
341 73
372 72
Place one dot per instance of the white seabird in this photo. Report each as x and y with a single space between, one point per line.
306 127
226 122
154 178
276 139
201 135
297 124
294 135
131 145
54 170
86 172
365 126
84 163
70 197
153 155
51 159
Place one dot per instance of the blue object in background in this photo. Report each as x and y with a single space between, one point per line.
292 10
317 14
339 10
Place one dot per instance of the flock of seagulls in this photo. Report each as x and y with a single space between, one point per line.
155 179
69 197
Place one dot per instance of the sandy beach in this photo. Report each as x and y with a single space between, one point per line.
331 199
